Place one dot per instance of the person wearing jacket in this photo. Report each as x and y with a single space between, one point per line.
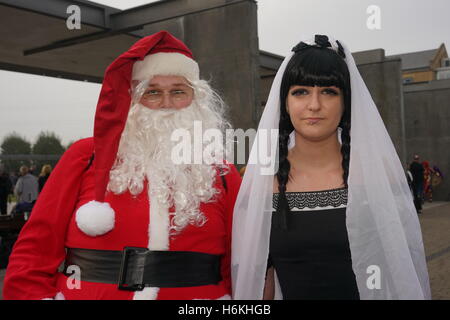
127 220
26 189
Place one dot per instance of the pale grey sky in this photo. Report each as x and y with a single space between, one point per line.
31 103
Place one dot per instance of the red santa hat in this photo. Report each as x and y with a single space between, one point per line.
158 54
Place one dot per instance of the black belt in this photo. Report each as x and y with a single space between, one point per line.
135 268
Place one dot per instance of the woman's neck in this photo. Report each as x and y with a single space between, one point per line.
309 155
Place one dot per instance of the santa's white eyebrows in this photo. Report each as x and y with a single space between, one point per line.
152 85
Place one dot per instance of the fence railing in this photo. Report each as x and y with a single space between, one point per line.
30 156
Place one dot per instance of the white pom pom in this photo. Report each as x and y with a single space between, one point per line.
95 218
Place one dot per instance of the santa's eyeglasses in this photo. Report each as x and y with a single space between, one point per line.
156 96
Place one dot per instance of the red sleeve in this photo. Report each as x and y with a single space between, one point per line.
233 181
39 250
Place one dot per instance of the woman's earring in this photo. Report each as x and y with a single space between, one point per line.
339 129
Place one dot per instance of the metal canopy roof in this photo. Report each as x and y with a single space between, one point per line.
34 37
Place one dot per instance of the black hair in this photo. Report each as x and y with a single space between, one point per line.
312 66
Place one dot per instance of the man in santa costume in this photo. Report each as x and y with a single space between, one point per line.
127 221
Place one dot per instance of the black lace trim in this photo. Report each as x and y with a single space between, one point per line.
314 199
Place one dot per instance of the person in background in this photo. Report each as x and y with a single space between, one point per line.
5 190
417 171
43 176
410 179
437 177
13 177
26 189
32 170
428 173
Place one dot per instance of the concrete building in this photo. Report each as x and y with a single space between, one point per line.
229 59
427 119
426 95
268 66
382 76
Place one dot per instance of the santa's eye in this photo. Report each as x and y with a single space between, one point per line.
152 92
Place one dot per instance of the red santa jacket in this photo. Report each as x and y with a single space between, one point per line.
32 271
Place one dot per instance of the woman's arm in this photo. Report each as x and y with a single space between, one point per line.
269 287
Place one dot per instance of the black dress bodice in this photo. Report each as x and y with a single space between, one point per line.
312 257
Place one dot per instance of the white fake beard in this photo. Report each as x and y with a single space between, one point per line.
145 152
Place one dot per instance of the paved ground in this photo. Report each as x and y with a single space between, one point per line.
435 222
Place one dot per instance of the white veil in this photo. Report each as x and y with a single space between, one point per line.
383 228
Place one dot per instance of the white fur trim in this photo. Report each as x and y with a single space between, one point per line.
158 239
165 63
59 296
225 297
159 228
95 218
149 293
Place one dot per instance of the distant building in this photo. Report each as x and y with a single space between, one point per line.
425 66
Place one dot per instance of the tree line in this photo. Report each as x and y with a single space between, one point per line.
47 143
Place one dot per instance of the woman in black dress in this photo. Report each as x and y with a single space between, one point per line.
335 219
309 245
